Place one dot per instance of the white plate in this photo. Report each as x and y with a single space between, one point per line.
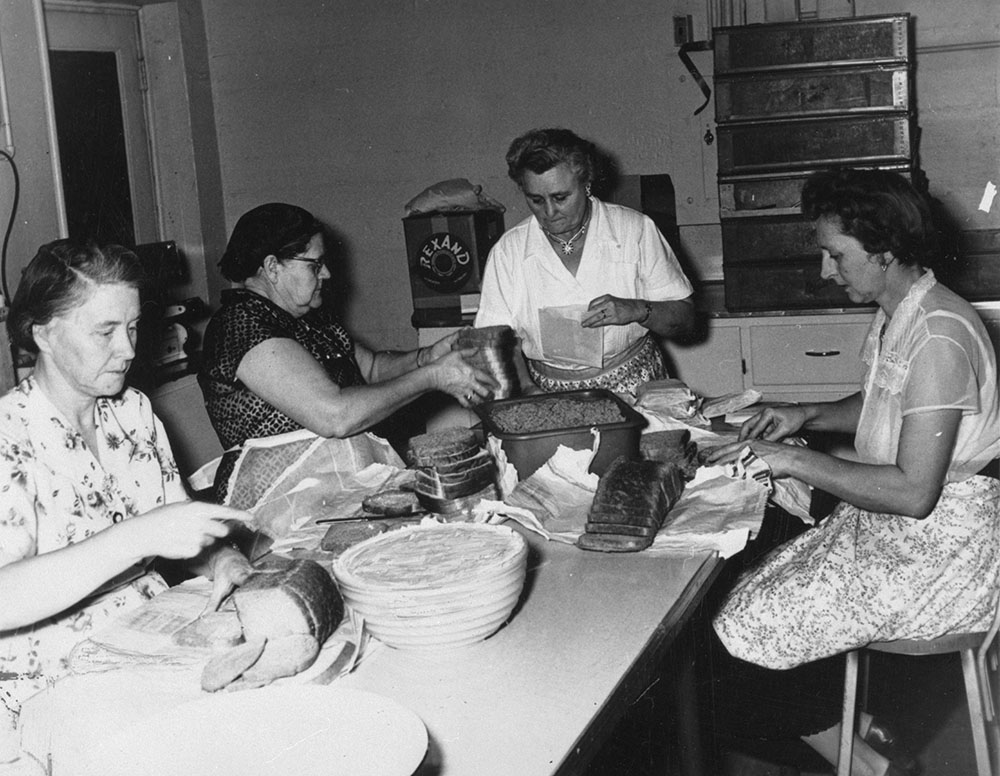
273 731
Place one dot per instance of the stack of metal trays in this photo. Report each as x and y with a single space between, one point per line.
453 470
494 353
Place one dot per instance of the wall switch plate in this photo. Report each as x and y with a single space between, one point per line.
683 30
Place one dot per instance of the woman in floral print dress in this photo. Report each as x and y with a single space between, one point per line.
913 549
89 491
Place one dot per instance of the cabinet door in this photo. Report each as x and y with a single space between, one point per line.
713 367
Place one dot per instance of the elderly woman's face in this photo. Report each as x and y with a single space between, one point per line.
557 198
300 279
91 346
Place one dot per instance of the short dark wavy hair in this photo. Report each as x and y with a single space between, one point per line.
58 279
540 150
274 229
882 210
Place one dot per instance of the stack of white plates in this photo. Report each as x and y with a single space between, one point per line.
435 585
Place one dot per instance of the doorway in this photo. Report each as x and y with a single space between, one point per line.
95 57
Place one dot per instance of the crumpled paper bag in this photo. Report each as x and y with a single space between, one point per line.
671 398
720 509
790 494
453 194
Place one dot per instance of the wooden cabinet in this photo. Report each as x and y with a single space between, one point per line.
814 357
791 98
713 367
817 357
785 357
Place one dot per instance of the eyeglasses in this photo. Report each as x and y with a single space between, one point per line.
316 265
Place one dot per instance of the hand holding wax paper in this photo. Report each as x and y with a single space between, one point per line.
565 340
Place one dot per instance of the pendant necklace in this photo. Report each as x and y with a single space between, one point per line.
567 245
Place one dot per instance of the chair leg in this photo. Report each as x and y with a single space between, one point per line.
847 718
976 715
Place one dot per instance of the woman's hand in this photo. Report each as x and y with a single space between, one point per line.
177 531
777 455
774 423
440 348
228 568
454 375
610 310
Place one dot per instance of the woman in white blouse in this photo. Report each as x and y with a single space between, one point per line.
913 549
609 260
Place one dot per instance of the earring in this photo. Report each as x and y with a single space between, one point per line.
587 189
885 266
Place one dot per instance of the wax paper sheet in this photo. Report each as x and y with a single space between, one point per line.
565 340
287 480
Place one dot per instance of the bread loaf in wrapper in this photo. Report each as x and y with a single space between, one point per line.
631 505
298 597
293 608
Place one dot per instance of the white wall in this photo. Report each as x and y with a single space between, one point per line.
351 108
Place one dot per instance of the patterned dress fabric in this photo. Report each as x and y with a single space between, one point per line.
245 320
55 492
862 576
646 365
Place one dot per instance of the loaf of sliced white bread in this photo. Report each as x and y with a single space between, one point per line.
287 611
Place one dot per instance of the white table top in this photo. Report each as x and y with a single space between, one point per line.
542 694
538 697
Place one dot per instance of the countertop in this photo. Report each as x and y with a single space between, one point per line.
710 301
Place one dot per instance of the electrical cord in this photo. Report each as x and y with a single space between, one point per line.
10 226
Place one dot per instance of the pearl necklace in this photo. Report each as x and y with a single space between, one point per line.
567 245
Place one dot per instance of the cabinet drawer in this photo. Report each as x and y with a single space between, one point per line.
814 93
824 353
789 284
857 40
772 194
769 238
766 146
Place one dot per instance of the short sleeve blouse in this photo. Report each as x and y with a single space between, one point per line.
625 255
54 492
933 354
245 320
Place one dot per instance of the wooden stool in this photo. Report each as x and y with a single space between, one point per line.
975 649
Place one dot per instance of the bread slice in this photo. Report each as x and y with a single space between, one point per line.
613 543
452 444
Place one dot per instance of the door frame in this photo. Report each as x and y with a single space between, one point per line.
136 122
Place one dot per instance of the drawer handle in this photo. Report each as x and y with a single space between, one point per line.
822 353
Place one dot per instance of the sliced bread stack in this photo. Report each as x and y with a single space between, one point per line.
453 470
631 505
494 353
